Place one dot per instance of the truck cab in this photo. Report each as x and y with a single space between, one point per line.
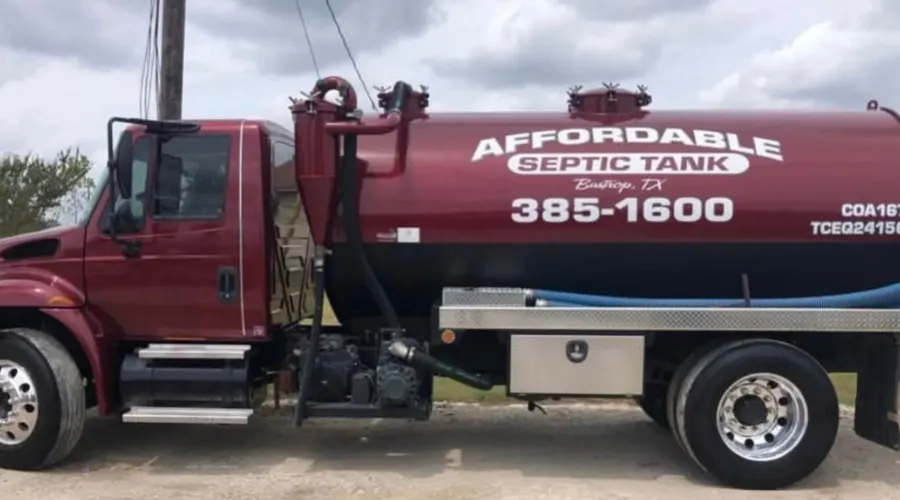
202 221
214 248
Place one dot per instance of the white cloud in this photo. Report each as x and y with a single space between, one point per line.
59 90
838 62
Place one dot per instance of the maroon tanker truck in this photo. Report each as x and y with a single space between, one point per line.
713 265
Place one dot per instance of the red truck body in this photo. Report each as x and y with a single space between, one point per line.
713 265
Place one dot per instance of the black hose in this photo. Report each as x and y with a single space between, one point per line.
417 358
350 190
401 90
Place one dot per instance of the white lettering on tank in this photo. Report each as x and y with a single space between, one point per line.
710 139
861 219
767 148
487 147
513 141
607 134
539 138
574 136
641 135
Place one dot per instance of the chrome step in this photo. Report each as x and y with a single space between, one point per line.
194 351
203 416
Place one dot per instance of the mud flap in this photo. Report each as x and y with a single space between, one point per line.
877 409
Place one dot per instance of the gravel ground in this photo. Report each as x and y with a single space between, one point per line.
608 452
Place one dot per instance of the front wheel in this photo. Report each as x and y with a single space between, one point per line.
41 400
758 415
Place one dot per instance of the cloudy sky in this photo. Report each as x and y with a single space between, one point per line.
67 65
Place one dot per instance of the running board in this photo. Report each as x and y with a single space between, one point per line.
194 351
203 416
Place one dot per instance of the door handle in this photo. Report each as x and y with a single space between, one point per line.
227 284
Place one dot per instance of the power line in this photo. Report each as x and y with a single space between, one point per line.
144 64
312 52
350 54
155 67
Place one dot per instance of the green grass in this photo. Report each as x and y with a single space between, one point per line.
448 390
845 384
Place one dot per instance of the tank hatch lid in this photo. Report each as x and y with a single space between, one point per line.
608 99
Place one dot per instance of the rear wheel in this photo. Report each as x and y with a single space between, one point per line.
41 400
758 415
673 391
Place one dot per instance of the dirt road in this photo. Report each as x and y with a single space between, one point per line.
465 453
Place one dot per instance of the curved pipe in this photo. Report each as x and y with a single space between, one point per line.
878 298
329 83
384 125
380 126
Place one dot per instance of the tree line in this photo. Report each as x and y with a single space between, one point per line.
38 192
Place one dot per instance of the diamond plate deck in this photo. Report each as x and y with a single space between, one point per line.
485 296
472 317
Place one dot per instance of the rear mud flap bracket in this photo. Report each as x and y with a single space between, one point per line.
877 416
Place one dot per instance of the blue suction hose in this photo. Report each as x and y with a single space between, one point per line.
879 298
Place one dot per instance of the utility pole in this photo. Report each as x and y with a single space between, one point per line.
172 64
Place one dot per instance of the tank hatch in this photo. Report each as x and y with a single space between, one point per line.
609 99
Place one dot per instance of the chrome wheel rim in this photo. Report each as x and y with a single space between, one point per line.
762 417
18 403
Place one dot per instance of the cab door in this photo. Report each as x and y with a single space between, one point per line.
182 281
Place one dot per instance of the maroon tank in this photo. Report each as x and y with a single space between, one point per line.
628 202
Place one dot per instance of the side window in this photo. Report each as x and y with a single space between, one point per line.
192 178
283 176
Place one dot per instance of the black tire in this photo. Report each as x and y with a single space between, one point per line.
60 399
653 402
675 389
709 380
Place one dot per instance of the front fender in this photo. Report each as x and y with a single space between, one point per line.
88 331
38 288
